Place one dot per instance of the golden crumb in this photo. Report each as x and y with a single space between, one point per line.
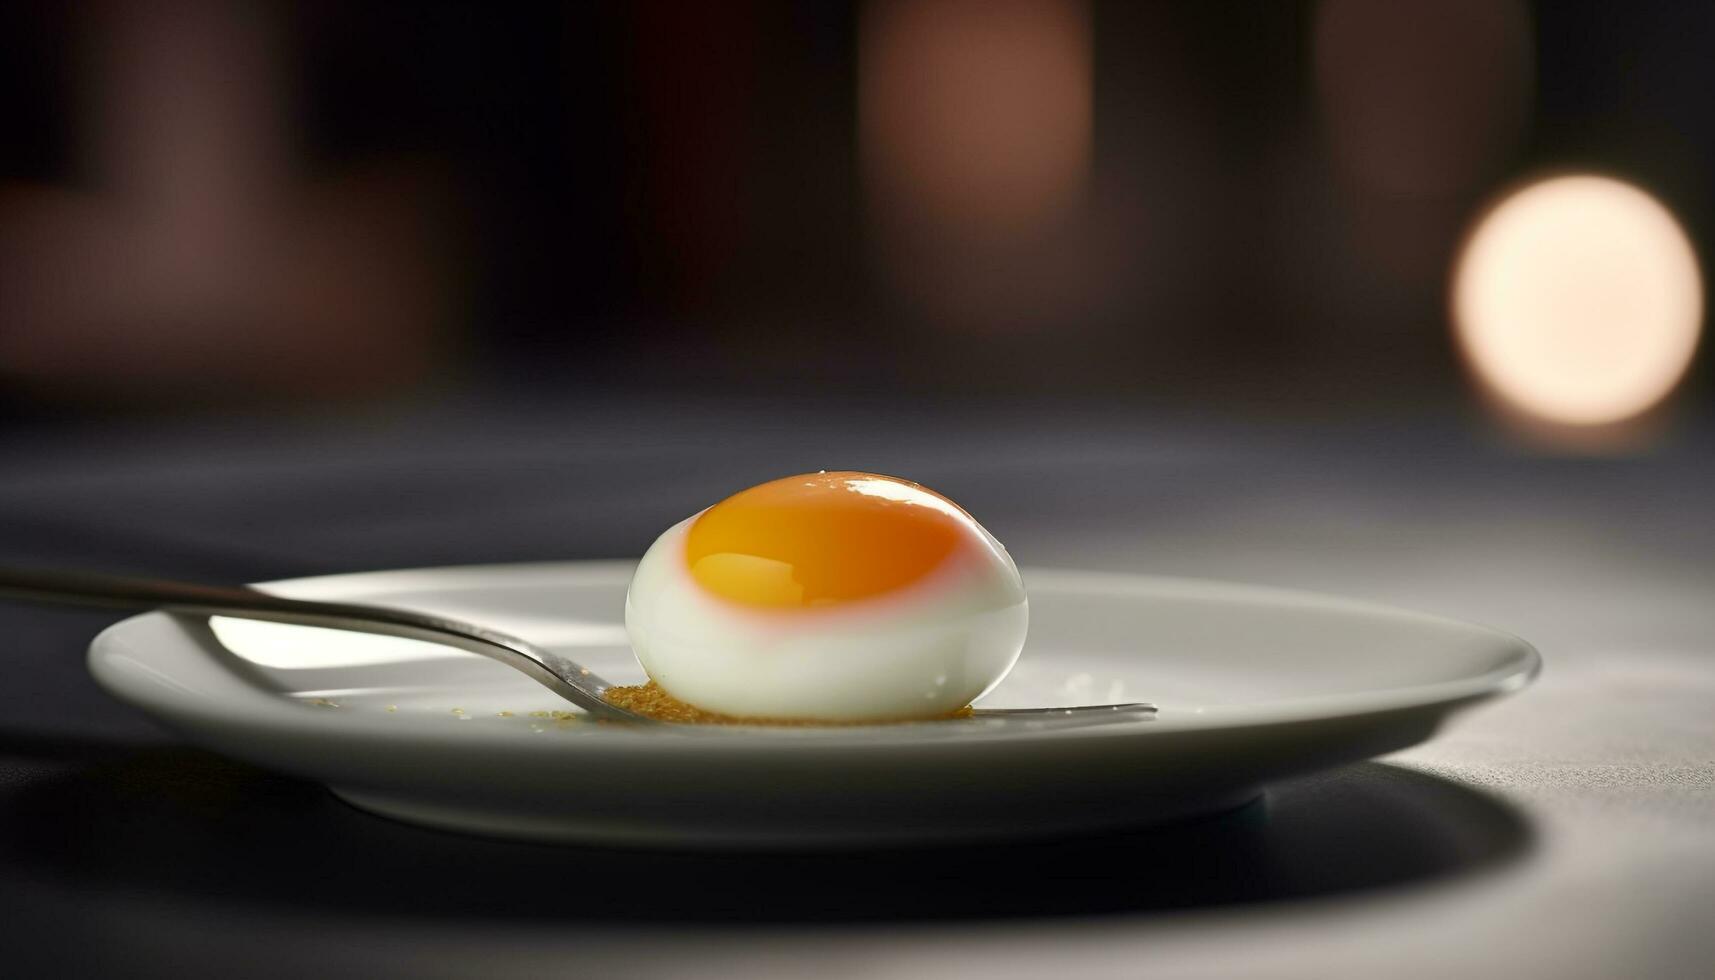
538 714
503 714
392 707
324 703
651 700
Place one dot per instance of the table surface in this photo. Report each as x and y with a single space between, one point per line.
1567 832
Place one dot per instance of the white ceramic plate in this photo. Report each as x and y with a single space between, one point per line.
1253 684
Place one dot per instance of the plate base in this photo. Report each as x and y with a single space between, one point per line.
574 828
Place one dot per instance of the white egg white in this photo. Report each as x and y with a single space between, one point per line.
923 650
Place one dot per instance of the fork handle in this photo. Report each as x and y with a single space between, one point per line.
566 678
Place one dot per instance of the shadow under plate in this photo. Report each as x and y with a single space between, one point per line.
200 827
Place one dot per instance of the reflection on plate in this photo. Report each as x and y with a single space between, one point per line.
1253 685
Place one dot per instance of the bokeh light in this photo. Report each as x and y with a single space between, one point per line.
976 112
1422 96
974 126
1577 300
196 258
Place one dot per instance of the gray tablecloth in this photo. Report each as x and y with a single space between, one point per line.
1568 832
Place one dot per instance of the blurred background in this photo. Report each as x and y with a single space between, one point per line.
1482 210
1401 300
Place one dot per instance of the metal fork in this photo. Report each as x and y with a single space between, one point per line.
565 677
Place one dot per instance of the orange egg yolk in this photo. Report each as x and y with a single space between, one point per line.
822 538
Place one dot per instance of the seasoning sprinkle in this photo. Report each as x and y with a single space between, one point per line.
653 701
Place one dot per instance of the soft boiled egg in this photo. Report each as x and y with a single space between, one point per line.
833 596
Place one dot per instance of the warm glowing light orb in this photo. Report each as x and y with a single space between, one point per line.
1578 300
